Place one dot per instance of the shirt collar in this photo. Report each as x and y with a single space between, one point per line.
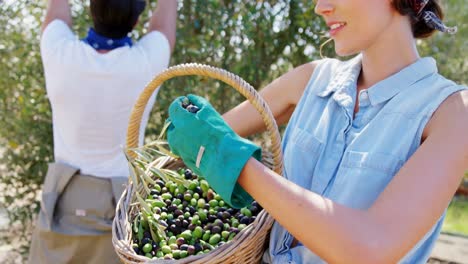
348 73
391 86
345 75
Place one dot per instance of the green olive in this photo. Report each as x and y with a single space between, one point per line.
198 232
214 239
166 249
187 235
147 248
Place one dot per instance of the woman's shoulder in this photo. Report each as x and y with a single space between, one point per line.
451 117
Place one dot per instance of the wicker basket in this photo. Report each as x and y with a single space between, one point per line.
248 245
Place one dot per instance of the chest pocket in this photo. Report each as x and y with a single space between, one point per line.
301 154
362 176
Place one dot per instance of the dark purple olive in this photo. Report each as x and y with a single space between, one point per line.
219 215
185 223
256 204
191 227
234 230
252 219
188 174
198 190
198 247
191 250
239 216
178 223
137 251
226 215
168 202
216 230
163 223
178 212
180 196
254 209
180 241
245 220
192 210
147 234
208 226
192 108
184 247
160 183
171 208
146 240
173 228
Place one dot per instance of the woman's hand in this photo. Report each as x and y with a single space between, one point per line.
208 146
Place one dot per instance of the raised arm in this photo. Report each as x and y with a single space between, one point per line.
281 96
164 20
402 214
57 9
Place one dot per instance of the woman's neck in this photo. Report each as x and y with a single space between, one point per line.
390 53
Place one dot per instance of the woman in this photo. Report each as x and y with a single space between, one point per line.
374 149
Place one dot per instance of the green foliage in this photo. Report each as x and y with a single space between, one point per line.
450 50
456 220
257 40
25 113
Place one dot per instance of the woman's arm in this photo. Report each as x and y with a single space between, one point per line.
281 96
401 215
57 9
164 20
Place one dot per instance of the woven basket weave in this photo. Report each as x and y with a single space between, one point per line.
248 245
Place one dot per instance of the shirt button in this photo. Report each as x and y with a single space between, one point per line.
364 96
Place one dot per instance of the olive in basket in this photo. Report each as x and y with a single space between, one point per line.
187 219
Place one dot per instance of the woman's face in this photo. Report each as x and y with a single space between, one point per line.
356 25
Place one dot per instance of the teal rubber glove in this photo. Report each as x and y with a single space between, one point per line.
210 148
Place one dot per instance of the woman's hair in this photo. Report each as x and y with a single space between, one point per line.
115 18
419 27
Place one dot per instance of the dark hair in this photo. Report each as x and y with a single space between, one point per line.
419 27
115 18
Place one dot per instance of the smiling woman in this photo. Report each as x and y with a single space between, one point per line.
362 135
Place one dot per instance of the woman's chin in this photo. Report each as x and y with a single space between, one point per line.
344 50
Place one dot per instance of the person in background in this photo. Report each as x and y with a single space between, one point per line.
374 148
92 85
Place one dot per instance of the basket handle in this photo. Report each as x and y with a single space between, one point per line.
231 79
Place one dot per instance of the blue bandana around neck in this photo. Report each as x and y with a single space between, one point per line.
99 42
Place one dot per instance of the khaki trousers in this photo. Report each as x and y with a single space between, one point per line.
75 221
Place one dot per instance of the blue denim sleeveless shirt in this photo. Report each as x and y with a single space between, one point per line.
351 159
